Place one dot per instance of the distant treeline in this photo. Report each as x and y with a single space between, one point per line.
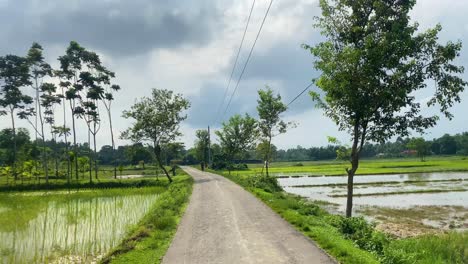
29 149
445 145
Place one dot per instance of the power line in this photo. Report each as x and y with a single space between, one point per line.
299 95
248 58
235 62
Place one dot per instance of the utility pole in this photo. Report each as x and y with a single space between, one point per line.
209 147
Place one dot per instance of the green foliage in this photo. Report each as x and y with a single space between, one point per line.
363 234
270 124
202 144
156 120
372 61
237 136
422 147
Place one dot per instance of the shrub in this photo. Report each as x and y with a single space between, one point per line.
298 164
363 234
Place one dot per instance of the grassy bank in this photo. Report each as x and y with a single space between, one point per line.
353 240
371 166
149 240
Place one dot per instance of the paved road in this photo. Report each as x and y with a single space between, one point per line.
224 223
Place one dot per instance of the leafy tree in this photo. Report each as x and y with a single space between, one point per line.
38 70
268 152
448 145
14 74
372 61
156 121
202 144
270 124
422 147
83 163
138 152
173 151
84 77
237 136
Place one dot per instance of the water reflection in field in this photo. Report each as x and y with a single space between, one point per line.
40 229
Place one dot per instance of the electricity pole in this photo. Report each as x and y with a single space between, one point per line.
209 147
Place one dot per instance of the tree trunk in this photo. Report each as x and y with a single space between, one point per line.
75 147
69 176
267 161
12 114
157 153
354 166
95 154
90 158
44 147
113 143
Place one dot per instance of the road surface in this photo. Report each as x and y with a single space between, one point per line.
224 223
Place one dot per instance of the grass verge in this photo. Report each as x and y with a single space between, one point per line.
353 240
149 240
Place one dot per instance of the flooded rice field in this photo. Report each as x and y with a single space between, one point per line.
55 228
417 198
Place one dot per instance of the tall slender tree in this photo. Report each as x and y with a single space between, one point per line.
372 61
70 67
14 74
84 78
269 109
39 69
107 100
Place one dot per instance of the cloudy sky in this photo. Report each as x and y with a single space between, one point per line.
190 47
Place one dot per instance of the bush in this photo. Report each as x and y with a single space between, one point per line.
299 164
363 234
267 183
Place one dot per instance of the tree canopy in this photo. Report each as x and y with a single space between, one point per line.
157 120
372 61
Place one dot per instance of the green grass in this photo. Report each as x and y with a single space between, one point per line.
363 244
149 240
367 166
429 249
311 220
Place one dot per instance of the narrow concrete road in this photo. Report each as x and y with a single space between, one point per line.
224 223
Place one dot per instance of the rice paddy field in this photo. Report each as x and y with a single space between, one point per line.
406 197
69 226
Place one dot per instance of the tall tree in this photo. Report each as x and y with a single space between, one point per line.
14 74
202 143
237 136
107 100
270 124
70 67
156 121
47 100
371 63
38 70
84 77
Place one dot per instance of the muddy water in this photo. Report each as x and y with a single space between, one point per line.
373 178
419 182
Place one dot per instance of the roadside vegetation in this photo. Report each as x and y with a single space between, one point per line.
352 240
148 241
